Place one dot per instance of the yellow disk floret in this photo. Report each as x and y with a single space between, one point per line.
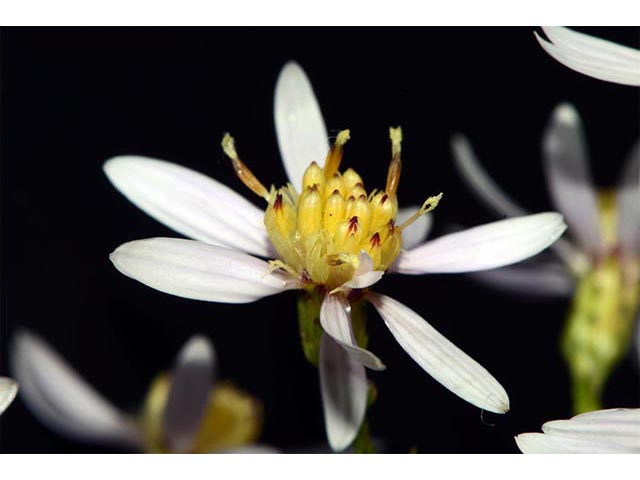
320 233
232 419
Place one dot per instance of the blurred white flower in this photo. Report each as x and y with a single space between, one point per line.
333 240
600 265
603 431
592 56
184 411
8 391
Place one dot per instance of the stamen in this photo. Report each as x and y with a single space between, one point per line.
428 205
280 265
243 173
395 167
334 157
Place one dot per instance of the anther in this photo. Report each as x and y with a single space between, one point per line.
243 173
395 167
375 240
334 157
353 225
277 205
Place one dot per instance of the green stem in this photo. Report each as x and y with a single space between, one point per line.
309 303
586 396
363 442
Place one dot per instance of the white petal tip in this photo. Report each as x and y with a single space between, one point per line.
8 391
116 165
340 444
197 349
526 441
497 402
567 114
291 67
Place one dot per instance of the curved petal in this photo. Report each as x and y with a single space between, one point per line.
417 232
485 247
568 177
592 56
62 400
302 135
8 391
335 319
490 193
195 270
190 203
476 177
619 427
440 358
365 275
628 198
533 280
343 385
191 382
541 443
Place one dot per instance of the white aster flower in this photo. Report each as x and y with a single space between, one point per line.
184 412
603 431
8 391
592 56
331 239
600 266
600 225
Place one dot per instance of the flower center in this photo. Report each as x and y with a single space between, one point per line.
231 419
320 233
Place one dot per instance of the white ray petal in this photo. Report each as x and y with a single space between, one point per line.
335 318
417 232
191 382
302 135
192 204
8 391
479 180
485 247
440 358
365 275
593 56
628 198
578 42
343 385
62 400
568 177
489 192
541 443
534 280
199 271
620 426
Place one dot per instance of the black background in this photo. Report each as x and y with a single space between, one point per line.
71 98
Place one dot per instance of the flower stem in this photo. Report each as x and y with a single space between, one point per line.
309 303
363 442
598 331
